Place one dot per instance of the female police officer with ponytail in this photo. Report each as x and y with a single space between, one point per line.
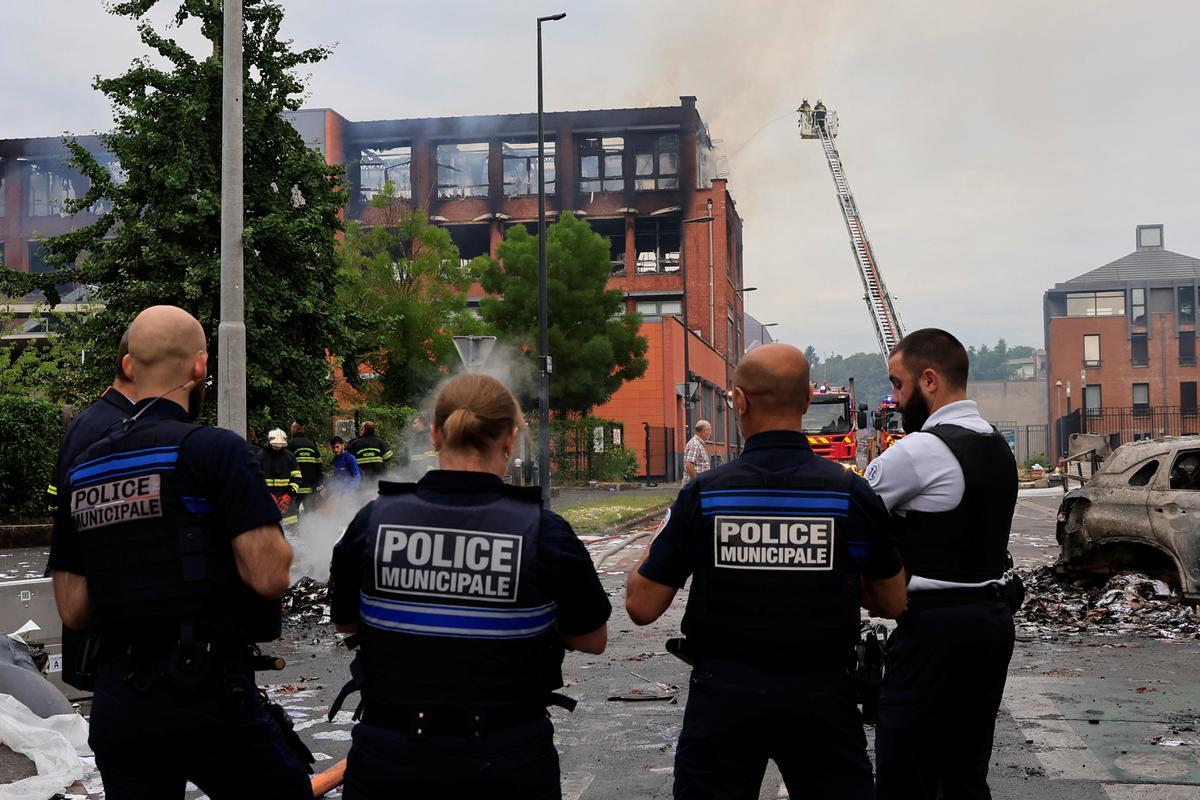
463 593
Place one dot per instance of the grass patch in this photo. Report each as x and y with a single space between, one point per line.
610 513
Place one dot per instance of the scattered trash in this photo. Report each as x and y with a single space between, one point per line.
1128 603
306 601
637 695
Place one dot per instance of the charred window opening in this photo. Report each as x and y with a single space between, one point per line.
521 167
1185 472
378 165
601 164
471 240
656 164
462 170
50 187
1144 474
1139 347
657 242
614 231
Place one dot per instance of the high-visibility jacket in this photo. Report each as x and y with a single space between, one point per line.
309 459
282 473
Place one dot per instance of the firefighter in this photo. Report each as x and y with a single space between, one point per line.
819 115
371 452
460 654
951 486
169 547
282 474
781 546
309 458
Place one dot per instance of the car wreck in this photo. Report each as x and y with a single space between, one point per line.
1139 511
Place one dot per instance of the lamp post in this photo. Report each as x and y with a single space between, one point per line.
1061 450
687 332
231 332
545 366
762 331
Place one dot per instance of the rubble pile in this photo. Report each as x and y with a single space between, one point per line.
1128 603
306 601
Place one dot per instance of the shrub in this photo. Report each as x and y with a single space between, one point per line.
32 429
1037 458
615 464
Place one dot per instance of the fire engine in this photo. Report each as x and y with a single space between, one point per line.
887 426
832 423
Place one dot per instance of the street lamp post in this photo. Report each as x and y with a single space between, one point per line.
545 366
762 331
231 332
1061 450
687 332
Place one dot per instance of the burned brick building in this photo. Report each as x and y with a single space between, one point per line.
637 176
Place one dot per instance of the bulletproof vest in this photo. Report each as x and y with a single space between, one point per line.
968 543
154 556
451 610
776 583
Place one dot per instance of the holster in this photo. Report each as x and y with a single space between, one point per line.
1014 591
678 647
870 665
277 713
81 657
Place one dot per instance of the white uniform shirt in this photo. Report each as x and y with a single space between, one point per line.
920 473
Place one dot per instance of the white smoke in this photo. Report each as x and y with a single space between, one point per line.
319 530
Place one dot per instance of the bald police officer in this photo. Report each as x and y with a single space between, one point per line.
782 546
951 486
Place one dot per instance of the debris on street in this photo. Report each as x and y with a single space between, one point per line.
307 600
1127 603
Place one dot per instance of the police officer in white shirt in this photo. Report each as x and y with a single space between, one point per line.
951 487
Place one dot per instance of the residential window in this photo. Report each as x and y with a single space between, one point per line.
1092 400
521 168
1187 348
1141 399
1139 346
1091 350
601 167
719 431
656 164
377 166
49 189
1095 304
657 244
1187 305
1138 303
1187 397
706 402
462 170
730 333
658 308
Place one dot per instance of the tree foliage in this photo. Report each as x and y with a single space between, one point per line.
404 290
869 371
595 347
988 363
160 243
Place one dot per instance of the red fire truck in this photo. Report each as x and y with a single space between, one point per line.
832 423
888 427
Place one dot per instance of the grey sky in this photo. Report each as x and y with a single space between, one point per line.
994 149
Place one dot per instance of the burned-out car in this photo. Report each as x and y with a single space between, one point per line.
1140 511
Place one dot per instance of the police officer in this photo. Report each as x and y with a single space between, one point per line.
371 452
89 427
782 546
308 457
463 592
282 474
171 549
951 486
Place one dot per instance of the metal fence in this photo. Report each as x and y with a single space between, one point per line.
1026 441
576 446
659 454
1123 425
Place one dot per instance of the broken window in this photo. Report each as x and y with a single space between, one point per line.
1139 346
657 244
1144 474
378 165
1185 472
472 240
1187 348
656 164
521 167
462 170
50 187
601 164
614 231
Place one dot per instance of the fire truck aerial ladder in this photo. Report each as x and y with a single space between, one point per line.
819 123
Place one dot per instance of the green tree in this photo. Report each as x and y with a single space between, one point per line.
595 346
160 243
814 358
868 370
988 363
404 289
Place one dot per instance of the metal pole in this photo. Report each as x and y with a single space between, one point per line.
231 333
687 336
545 365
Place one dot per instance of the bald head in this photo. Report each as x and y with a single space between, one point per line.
166 351
771 388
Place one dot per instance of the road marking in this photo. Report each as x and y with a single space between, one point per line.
1062 753
575 784
1144 791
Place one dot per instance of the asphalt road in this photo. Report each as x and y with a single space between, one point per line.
1085 717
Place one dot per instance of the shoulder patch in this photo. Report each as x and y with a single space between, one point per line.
874 472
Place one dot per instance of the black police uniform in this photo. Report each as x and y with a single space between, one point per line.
948 657
461 586
309 458
372 454
775 543
150 514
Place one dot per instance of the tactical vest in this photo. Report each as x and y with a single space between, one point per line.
153 554
451 612
968 543
776 583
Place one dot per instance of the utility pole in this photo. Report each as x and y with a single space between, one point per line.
231 333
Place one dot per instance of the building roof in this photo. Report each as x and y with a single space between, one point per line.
1143 265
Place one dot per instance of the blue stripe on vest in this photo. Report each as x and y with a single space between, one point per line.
460 622
199 506
124 463
775 503
792 492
